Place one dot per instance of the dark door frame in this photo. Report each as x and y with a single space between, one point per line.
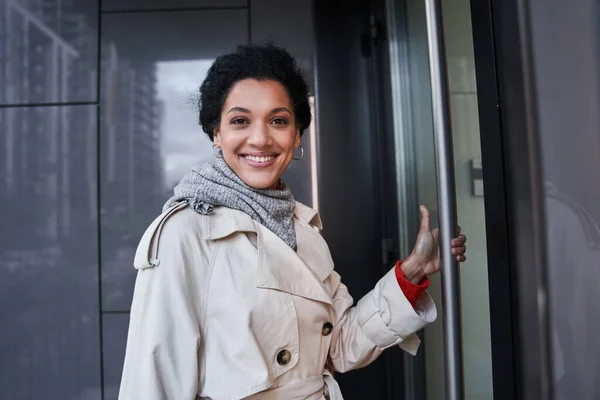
355 162
513 200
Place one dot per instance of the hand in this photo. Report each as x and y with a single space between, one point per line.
425 257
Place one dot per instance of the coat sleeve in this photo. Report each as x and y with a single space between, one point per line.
161 360
382 318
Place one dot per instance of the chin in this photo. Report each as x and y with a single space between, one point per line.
258 182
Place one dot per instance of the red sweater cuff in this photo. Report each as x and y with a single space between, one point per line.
410 290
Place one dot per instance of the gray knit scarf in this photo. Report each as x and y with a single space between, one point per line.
210 186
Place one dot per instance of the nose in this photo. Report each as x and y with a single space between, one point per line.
259 135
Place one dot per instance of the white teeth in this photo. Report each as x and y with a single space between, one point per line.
258 159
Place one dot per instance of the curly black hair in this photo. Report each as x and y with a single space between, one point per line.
251 61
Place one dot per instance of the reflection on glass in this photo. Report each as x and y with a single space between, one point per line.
184 143
49 339
567 70
152 64
115 5
150 139
114 338
48 51
574 267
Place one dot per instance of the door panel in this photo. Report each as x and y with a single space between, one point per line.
566 65
412 35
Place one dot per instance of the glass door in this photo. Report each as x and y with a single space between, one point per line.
417 184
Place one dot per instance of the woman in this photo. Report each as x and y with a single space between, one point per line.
236 296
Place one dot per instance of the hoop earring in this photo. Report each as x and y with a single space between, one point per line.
301 155
212 149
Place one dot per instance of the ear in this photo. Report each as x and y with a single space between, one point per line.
297 139
217 138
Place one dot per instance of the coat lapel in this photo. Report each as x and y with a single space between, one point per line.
280 267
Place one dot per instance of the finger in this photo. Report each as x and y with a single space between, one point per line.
458 229
457 251
436 234
459 241
461 258
424 219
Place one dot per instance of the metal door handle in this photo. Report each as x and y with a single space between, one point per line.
442 127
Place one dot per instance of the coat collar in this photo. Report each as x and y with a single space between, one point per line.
299 272
308 215
224 221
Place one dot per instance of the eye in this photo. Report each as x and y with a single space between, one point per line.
279 121
239 121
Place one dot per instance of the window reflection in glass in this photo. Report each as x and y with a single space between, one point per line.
183 143
151 138
114 337
566 65
48 52
49 340
152 64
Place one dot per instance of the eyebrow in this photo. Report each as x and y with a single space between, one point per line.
240 109
280 109
245 110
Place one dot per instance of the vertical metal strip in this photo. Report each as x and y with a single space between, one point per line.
99 176
405 162
407 196
453 360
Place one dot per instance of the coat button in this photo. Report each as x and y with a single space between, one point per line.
327 328
283 357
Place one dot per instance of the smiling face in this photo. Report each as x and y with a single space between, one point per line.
258 132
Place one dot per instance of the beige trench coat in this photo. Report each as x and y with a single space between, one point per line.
224 309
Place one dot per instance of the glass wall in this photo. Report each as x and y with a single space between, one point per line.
566 63
50 338
48 51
